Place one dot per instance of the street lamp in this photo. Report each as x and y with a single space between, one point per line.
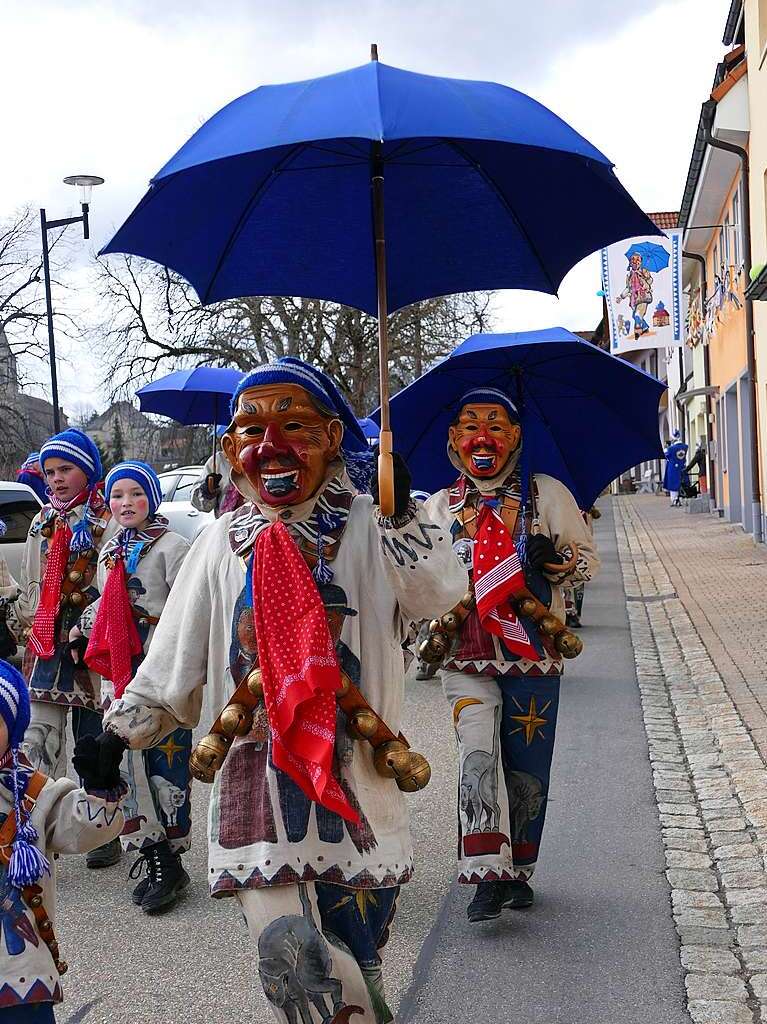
85 182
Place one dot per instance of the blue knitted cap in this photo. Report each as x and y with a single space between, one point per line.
14 703
289 370
488 396
74 446
141 474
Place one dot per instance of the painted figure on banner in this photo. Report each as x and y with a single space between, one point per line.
638 292
501 675
298 598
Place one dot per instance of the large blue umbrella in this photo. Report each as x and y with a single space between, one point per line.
282 193
485 188
586 415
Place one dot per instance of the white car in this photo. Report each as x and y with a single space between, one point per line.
18 507
183 517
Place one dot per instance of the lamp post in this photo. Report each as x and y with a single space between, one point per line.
85 183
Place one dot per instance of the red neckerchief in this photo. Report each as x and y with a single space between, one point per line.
498 575
299 668
115 640
42 638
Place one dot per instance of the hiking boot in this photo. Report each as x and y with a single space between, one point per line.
489 900
519 895
573 620
104 856
140 864
167 878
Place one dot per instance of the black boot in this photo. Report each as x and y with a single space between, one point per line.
519 895
488 902
139 865
104 856
167 878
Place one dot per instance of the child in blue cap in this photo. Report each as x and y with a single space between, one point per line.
39 817
57 584
136 571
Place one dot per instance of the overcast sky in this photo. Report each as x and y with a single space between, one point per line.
114 88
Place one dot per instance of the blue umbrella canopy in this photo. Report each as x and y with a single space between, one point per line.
369 428
586 415
198 396
654 257
485 188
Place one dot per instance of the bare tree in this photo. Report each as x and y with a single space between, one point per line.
155 324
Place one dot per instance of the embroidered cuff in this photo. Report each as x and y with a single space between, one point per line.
109 796
397 522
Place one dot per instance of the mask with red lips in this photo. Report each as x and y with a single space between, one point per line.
484 438
282 443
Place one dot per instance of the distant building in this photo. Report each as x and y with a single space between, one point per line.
25 421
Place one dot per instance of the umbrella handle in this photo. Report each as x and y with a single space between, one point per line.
385 474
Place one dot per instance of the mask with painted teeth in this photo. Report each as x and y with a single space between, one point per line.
484 438
281 442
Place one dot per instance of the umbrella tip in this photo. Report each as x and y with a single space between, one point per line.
374 51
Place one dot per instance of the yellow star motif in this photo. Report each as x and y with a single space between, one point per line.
531 721
170 748
361 897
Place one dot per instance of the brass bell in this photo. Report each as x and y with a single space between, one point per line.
450 622
36 901
236 720
62 966
255 684
362 725
343 689
434 626
45 925
568 644
76 598
527 607
549 625
74 576
434 648
391 758
468 599
47 531
208 756
416 775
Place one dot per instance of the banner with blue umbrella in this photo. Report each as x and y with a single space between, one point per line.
282 193
586 415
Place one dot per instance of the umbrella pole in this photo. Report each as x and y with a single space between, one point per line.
385 462
215 430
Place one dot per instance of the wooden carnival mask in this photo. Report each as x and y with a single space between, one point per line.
484 437
282 442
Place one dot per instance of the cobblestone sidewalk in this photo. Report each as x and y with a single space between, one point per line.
711 788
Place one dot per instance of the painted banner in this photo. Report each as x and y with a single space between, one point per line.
642 283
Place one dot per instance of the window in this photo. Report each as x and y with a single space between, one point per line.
186 485
167 483
17 510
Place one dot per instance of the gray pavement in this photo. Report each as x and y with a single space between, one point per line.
598 946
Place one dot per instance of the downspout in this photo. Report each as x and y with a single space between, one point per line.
706 372
708 111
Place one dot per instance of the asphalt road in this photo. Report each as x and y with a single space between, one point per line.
597 947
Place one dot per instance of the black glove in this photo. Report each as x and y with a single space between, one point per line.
97 760
75 651
541 551
402 482
212 482
7 641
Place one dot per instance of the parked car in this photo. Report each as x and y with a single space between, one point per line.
18 507
183 517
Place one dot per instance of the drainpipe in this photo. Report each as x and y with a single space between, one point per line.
708 112
706 373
